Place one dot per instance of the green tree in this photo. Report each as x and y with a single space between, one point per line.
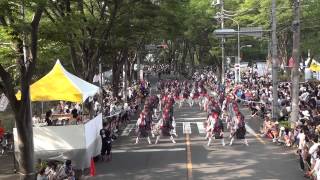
19 30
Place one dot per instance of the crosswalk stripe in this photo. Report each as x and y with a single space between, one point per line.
127 130
186 128
201 128
181 122
190 119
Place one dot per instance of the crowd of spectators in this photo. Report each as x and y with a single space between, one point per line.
63 113
256 93
55 170
157 69
116 111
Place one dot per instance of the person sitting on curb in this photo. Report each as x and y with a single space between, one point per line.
267 125
286 136
275 131
66 171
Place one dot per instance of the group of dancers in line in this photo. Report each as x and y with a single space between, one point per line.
221 106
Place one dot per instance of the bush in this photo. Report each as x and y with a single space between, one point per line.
285 124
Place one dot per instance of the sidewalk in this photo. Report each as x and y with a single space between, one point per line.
7 167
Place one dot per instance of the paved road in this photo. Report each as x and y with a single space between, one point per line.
261 160
168 161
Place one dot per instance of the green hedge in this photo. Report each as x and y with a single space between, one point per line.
285 124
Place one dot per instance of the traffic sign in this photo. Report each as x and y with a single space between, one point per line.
224 33
252 31
247 31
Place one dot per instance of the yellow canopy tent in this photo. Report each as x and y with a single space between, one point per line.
59 84
314 66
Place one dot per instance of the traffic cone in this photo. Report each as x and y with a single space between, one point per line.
92 168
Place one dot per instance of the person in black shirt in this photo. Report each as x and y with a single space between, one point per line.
75 115
106 138
48 120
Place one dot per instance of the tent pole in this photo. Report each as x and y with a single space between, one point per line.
82 112
41 108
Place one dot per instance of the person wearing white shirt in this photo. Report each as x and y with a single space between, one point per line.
130 93
112 109
304 96
77 106
313 151
315 169
96 107
302 139
35 120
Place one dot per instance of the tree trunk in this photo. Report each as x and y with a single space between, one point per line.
116 69
130 73
125 80
217 66
295 75
184 55
191 54
275 61
22 109
25 135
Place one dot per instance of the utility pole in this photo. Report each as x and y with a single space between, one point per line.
274 54
222 44
295 75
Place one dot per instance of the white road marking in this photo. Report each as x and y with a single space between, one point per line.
201 128
190 119
127 130
186 128
149 150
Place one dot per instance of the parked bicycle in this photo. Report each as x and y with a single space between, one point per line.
6 143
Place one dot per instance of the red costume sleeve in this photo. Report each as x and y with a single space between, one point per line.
1 131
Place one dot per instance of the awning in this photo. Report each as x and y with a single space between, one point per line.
59 84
